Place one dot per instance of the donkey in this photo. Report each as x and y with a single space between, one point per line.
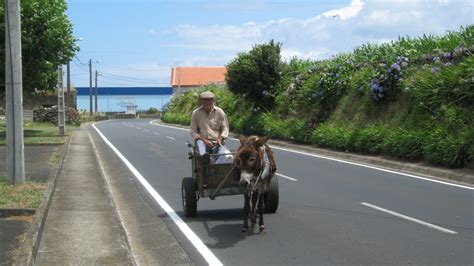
255 167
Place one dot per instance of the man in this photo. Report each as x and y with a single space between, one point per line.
209 128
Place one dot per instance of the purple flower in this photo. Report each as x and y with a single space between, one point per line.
375 87
447 55
396 67
434 70
436 59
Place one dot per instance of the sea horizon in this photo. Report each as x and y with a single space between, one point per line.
115 99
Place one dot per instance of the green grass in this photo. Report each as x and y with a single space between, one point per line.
40 133
26 195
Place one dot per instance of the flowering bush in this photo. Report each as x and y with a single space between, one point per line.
73 117
385 83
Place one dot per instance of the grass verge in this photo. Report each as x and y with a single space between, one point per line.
40 133
26 195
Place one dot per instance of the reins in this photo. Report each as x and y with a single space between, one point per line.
261 172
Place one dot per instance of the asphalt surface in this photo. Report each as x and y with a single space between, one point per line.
330 212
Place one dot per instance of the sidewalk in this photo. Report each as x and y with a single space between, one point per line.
82 226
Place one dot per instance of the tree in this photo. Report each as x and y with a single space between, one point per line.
255 74
47 42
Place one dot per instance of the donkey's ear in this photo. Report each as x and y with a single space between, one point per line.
262 140
242 139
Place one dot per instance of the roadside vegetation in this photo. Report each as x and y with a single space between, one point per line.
412 98
39 133
26 195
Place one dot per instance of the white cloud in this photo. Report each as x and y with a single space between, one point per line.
346 12
323 35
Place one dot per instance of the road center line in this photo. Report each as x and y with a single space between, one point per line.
156 133
146 130
287 177
190 235
409 218
171 138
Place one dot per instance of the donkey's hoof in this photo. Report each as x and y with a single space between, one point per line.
262 228
244 230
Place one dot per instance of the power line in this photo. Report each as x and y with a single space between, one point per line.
127 78
80 67
82 63
133 81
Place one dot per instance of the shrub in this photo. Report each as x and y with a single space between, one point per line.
255 74
331 136
369 139
73 117
452 150
152 110
177 118
448 85
405 144
290 129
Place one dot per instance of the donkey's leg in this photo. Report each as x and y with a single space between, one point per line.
246 211
255 197
260 211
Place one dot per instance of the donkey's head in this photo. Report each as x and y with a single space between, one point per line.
249 159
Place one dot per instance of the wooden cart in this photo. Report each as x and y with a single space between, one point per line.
214 180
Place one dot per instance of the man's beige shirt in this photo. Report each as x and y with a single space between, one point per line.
209 126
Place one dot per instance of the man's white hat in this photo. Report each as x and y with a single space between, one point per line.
206 95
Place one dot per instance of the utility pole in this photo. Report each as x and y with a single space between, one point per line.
96 110
90 87
68 84
14 94
61 113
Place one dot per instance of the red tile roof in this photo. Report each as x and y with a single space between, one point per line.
196 76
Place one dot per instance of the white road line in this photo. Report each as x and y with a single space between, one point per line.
192 237
137 128
409 218
156 133
171 138
287 177
146 130
159 125
352 163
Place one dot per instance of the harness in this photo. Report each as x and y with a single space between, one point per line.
265 172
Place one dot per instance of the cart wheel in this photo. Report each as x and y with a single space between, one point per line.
272 197
188 193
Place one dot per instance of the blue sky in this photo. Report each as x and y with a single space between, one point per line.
139 41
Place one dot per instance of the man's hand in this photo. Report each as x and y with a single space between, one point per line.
219 140
207 142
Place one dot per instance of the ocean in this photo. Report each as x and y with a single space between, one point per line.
115 99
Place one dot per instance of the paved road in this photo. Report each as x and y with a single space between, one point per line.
330 212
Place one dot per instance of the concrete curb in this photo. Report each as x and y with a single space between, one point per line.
42 144
7 212
29 247
464 175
